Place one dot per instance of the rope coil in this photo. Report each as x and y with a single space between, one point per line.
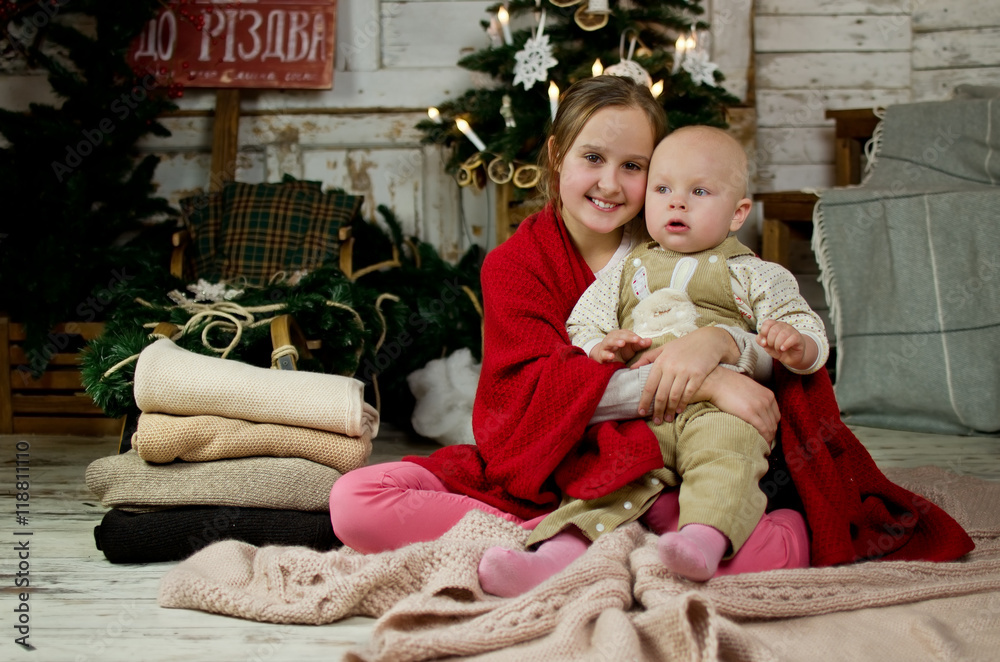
235 318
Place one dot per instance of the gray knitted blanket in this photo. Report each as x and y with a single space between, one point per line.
910 262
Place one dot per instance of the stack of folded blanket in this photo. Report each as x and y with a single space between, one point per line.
225 450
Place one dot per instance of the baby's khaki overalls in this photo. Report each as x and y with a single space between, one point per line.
716 458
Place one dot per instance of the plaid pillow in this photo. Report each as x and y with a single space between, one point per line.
330 225
202 215
268 228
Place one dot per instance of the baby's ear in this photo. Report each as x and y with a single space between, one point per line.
740 216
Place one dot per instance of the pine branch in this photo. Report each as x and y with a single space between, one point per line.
72 182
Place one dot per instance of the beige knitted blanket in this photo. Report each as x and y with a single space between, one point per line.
165 438
128 482
616 602
172 380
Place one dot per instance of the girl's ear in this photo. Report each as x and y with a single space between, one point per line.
740 216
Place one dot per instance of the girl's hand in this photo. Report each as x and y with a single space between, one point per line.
679 370
619 345
744 398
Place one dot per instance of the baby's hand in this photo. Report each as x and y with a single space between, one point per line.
619 345
783 342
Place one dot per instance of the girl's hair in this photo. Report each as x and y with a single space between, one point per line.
579 103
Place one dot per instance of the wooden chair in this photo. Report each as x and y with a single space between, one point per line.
789 214
56 403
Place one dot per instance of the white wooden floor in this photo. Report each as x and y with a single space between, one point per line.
81 607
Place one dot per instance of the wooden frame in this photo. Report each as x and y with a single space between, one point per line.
510 212
854 128
789 213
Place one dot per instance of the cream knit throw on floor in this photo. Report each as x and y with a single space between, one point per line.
164 438
616 602
130 483
173 380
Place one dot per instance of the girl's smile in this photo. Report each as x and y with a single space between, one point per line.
602 178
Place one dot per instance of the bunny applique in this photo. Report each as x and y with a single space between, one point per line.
668 309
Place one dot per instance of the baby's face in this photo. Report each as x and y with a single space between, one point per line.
695 192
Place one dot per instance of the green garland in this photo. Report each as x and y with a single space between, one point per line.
420 309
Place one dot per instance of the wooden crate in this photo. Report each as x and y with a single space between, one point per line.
55 401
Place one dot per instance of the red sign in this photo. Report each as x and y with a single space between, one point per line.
267 44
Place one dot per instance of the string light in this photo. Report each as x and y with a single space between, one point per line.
680 46
504 19
464 127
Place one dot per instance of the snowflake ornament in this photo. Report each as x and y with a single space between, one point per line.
206 291
630 69
532 64
214 292
699 68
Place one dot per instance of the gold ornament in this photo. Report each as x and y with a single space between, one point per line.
473 161
589 21
527 176
500 171
465 176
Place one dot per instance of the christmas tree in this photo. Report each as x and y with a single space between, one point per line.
540 47
77 199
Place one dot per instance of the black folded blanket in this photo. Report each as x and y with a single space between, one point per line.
175 534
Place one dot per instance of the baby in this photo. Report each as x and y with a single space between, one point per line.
693 274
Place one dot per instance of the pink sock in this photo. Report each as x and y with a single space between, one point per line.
693 552
508 572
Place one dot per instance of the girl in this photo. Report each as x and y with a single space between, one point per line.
545 414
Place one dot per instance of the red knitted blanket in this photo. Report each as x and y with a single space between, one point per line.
537 393
854 512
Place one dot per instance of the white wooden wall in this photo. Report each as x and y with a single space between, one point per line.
791 59
393 60
813 55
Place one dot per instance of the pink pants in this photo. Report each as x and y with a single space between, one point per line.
387 506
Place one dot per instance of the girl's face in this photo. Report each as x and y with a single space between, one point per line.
602 177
